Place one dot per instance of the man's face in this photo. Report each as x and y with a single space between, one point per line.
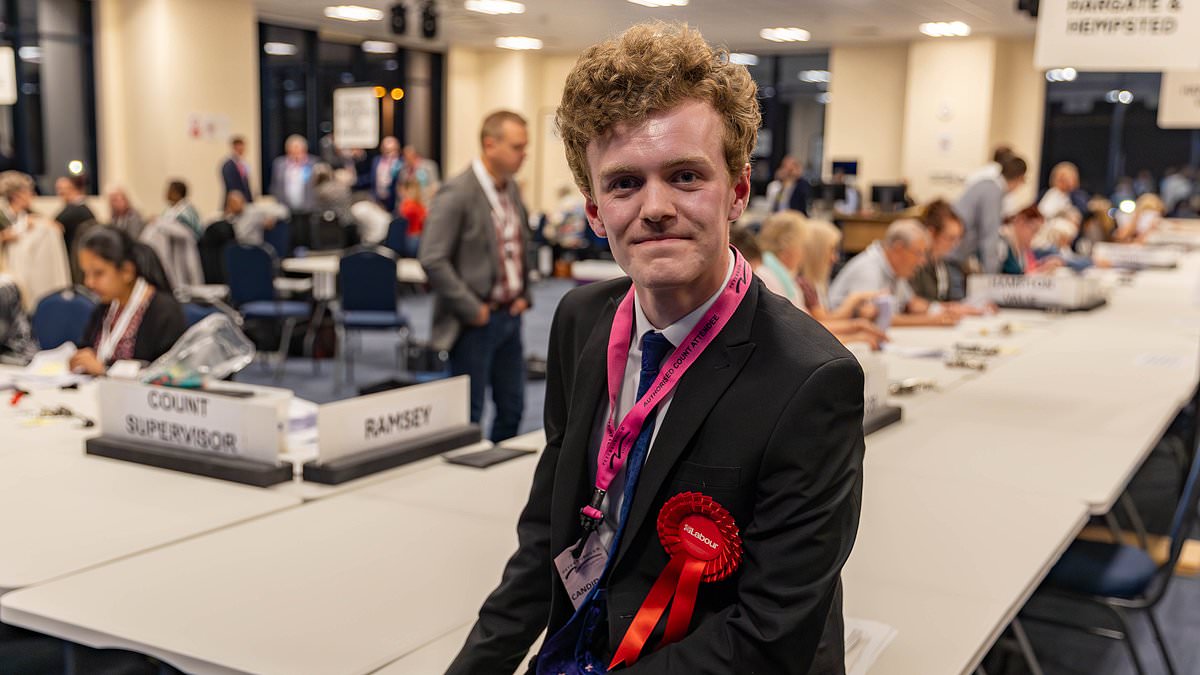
297 151
947 240
662 195
389 147
506 154
906 258
63 188
239 149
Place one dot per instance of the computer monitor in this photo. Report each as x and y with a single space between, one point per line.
847 167
888 197
829 192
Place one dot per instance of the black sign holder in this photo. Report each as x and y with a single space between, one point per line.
235 469
884 416
367 462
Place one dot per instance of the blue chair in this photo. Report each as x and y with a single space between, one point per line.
280 238
397 236
1123 578
367 282
62 317
194 313
251 272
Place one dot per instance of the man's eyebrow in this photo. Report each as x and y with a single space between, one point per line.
692 160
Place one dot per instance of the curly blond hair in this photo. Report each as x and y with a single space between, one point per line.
653 67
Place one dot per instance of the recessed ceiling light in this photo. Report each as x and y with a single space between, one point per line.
946 29
812 76
280 49
494 6
379 47
353 13
1061 75
743 59
660 3
790 34
518 43
32 53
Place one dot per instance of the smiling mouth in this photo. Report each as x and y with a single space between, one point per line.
658 240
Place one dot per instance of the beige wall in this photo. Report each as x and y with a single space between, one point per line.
1018 108
479 82
864 119
158 62
948 113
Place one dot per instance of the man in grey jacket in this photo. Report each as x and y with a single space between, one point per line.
981 209
473 251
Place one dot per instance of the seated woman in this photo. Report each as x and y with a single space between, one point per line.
781 240
138 318
1146 217
932 280
1020 257
821 242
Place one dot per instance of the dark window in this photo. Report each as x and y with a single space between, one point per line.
52 46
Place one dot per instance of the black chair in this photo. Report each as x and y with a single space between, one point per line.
1123 578
212 245
397 236
367 282
251 272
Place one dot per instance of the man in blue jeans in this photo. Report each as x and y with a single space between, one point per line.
473 251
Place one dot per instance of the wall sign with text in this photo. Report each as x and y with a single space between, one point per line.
355 118
1118 35
1179 100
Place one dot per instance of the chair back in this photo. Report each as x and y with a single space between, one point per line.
250 272
193 313
1181 525
397 236
367 277
61 317
280 238
212 245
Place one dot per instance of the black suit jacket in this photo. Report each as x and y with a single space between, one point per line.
162 326
768 422
233 180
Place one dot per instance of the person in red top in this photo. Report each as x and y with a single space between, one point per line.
412 208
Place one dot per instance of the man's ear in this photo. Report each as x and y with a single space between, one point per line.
741 194
593 216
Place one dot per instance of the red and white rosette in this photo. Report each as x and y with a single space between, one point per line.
702 539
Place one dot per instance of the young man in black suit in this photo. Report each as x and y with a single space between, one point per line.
235 171
763 428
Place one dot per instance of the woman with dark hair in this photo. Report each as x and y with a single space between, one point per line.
1020 256
932 280
137 317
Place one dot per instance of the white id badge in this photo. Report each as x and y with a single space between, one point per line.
580 575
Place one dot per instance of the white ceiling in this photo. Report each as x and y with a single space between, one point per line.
570 25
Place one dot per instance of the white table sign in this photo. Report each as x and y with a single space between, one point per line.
1118 35
875 377
391 417
355 118
1133 254
184 419
1067 291
1179 100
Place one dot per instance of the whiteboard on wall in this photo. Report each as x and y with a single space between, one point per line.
1179 100
1118 35
355 118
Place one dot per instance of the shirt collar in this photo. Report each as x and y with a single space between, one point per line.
677 332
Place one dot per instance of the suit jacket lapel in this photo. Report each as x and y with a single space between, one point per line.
587 397
483 215
699 390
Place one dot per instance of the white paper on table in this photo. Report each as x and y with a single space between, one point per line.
52 368
865 641
914 352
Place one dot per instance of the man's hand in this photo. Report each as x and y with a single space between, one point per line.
483 317
518 307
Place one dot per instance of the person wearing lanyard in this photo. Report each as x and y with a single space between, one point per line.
684 387
473 250
137 317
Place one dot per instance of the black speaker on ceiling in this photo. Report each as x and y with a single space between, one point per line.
429 17
399 18
1030 7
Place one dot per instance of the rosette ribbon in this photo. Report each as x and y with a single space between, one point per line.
702 540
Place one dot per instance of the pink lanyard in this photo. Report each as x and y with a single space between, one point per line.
620 438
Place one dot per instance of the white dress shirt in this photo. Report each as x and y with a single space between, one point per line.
675 334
